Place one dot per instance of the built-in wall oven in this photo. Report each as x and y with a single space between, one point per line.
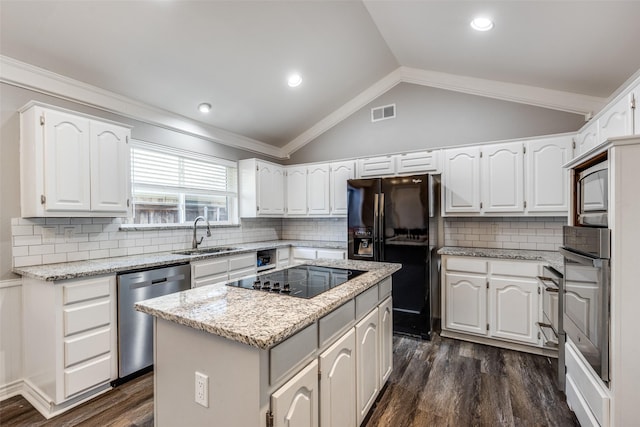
551 329
586 252
592 193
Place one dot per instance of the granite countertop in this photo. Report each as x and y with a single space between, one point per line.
554 259
72 270
261 319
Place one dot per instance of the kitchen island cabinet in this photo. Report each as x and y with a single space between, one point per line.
261 351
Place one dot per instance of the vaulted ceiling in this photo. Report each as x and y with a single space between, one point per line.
171 55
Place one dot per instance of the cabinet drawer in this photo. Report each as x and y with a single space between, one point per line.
425 161
376 166
304 253
384 288
210 268
210 280
466 264
86 376
82 348
515 268
331 254
78 319
242 261
590 389
287 355
335 322
283 254
86 290
242 273
366 301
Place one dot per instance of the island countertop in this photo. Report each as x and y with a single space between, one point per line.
261 319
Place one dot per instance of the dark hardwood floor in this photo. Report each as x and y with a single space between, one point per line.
444 382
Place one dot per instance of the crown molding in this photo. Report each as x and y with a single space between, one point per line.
530 95
30 77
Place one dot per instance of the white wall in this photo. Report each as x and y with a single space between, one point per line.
431 118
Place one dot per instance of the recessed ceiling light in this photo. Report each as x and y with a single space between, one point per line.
294 80
204 107
482 24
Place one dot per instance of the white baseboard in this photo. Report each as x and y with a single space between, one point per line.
11 389
49 409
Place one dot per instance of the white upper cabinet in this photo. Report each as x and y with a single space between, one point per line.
373 167
318 190
587 138
296 190
547 184
462 180
72 165
512 178
419 162
261 188
110 168
341 172
635 98
502 178
617 120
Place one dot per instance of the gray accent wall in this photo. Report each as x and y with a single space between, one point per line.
429 118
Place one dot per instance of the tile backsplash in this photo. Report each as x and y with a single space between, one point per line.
39 241
540 233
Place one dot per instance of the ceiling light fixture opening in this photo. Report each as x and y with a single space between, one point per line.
204 107
294 80
482 23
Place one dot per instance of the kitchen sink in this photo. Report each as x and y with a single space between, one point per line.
201 251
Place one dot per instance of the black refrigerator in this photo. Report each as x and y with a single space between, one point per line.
388 220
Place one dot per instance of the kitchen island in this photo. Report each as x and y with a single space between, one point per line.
262 358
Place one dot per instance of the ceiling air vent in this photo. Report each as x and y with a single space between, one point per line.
383 113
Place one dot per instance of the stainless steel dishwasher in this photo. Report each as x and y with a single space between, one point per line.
135 329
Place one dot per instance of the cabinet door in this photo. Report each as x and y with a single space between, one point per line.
376 166
617 120
466 303
110 168
546 179
367 364
67 175
295 404
502 178
270 189
420 162
338 383
587 138
635 97
385 318
297 190
513 304
318 190
462 180
341 172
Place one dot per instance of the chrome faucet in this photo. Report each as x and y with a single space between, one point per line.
195 242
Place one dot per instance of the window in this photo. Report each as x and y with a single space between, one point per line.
171 186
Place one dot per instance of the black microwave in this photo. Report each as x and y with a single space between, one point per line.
592 195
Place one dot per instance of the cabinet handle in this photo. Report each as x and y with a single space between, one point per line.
43 199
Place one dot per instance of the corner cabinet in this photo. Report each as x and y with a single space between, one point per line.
261 189
514 178
72 164
495 302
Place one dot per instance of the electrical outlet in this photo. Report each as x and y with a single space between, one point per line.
202 389
68 232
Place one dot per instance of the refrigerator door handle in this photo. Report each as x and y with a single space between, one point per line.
376 231
381 229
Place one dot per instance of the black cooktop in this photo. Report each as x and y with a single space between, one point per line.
302 281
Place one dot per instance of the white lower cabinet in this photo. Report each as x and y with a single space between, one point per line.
338 383
495 299
367 364
221 269
385 323
300 254
295 404
70 340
